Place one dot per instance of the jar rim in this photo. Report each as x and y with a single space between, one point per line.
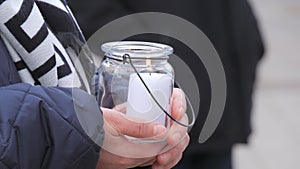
136 50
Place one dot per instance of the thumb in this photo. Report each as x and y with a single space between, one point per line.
125 126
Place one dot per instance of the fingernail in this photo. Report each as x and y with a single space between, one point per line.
176 136
181 110
158 129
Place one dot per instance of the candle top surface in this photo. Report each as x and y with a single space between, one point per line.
137 50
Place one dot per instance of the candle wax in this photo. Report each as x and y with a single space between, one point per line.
140 104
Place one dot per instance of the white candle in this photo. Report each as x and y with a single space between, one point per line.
140 104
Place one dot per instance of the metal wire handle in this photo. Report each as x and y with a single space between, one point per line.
127 56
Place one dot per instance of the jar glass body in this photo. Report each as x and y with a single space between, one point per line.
123 81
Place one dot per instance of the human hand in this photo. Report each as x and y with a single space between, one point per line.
118 152
177 137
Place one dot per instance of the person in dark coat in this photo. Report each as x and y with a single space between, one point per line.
42 95
233 30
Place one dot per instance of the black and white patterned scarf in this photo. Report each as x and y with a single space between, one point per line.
44 41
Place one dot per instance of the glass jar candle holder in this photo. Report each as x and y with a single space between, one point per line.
136 79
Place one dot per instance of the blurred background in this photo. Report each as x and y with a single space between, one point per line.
274 143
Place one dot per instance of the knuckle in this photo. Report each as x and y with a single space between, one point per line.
175 161
183 144
141 130
115 122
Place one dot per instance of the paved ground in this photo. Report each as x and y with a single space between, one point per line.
275 142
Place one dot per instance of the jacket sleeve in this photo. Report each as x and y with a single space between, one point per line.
44 128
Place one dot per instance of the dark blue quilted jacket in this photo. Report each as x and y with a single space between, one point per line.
39 128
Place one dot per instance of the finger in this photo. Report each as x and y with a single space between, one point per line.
124 126
177 132
121 107
174 162
178 103
171 156
148 163
114 161
171 164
